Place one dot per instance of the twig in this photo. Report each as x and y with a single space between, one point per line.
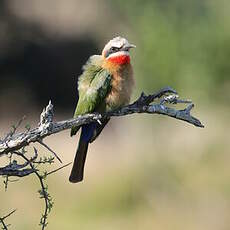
2 220
51 172
15 143
43 192
18 173
14 128
143 105
46 146
18 170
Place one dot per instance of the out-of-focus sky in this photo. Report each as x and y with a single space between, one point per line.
144 172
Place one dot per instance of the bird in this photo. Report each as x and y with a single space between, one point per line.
106 83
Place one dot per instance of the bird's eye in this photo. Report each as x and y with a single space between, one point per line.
114 49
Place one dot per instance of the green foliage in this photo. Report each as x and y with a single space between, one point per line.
184 44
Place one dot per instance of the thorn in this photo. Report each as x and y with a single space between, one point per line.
46 146
169 90
35 154
189 108
58 169
142 94
141 98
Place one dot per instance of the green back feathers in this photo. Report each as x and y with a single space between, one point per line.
93 92
93 86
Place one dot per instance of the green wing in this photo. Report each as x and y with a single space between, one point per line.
94 85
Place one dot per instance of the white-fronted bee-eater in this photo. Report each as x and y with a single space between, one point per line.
105 84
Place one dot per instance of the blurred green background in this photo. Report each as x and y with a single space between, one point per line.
144 172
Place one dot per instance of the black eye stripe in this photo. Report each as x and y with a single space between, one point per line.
113 49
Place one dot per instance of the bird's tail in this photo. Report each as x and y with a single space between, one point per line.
77 172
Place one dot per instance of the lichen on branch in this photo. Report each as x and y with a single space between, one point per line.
144 104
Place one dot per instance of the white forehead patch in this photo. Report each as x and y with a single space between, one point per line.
116 42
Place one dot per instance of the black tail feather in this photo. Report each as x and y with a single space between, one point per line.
77 172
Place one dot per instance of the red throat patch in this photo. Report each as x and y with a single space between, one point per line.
120 60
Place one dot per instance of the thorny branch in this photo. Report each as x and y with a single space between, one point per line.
13 144
43 191
30 167
143 105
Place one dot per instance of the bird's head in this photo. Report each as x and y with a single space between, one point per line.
117 51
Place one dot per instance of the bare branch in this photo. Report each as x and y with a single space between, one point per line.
14 143
43 191
19 170
2 220
58 169
18 173
46 146
25 169
143 105
13 129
